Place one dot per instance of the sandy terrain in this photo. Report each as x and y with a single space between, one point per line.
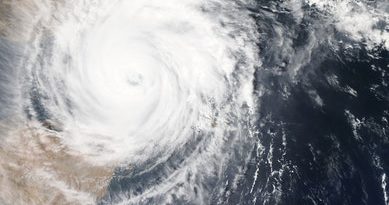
36 169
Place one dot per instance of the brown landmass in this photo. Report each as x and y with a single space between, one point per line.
36 169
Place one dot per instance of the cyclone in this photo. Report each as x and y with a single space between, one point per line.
132 88
142 86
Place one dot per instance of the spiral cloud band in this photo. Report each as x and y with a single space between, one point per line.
158 88
144 81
